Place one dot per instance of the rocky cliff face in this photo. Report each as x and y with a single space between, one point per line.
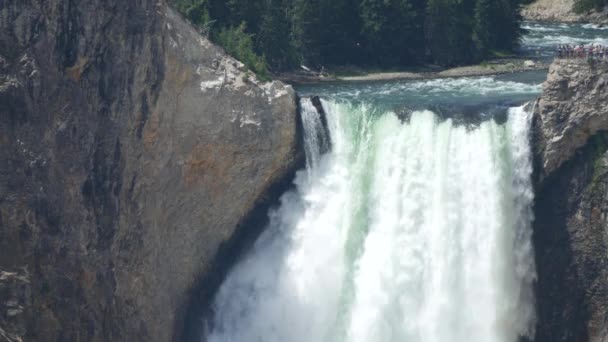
572 109
132 152
571 226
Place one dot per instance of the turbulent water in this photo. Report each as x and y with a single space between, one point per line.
411 221
414 230
542 40
463 91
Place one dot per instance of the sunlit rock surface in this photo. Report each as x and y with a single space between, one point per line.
572 108
131 148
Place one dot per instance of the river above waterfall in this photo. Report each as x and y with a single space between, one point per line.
541 39
507 89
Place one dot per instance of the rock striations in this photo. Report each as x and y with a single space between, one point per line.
571 210
131 150
573 108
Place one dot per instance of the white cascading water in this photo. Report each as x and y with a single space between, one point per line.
415 231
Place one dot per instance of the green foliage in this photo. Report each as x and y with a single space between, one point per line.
583 6
482 33
306 31
249 11
182 5
391 30
377 33
496 26
274 37
198 13
599 146
238 43
449 33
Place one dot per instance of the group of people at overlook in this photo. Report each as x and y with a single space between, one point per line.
582 51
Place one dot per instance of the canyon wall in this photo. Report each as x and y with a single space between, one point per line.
133 152
571 225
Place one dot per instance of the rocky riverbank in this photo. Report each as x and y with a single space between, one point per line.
561 11
571 210
495 67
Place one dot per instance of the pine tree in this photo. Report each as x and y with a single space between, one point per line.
274 37
248 11
449 31
483 34
340 31
507 24
306 33
392 30
365 32
219 11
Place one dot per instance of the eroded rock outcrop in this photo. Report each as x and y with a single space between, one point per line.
571 209
573 108
131 150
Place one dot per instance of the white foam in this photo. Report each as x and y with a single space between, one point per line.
595 27
415 231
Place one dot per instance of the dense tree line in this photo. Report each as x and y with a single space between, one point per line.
582 6
284 34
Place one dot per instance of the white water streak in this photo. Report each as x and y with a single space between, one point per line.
415 231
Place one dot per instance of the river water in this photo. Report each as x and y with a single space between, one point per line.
542 40
414 226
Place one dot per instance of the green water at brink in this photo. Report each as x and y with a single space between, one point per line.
408 230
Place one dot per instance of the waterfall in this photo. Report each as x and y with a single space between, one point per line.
315 136
404 231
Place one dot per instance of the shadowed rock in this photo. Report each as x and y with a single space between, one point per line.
571 209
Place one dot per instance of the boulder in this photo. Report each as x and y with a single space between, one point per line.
132 152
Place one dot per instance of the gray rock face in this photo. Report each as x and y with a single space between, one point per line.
131 150
572 109
15 296
571 209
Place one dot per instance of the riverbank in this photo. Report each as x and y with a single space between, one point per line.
495 67
561 11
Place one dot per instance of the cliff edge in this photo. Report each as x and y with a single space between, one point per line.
571 207
571 110
132 152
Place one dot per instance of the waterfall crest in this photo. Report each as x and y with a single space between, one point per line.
404 231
